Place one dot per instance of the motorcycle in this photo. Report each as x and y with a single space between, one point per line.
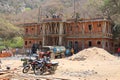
30 65
45 65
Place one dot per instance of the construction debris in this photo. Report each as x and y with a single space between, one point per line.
5 54
81 73
89 64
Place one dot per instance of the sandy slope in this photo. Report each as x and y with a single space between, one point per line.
75 70
89 69
94 53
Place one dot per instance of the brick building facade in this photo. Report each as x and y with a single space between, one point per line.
82 34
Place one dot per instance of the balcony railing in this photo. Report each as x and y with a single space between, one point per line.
90 35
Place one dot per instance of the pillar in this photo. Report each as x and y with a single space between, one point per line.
43 35
109 46
36 28
60 33
83 34
103 32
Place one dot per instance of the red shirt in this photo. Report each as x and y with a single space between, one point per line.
118 49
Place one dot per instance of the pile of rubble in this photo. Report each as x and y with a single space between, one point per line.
92 54
81 73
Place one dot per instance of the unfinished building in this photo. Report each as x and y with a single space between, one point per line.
80 34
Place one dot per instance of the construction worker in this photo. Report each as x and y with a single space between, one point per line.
67 52
72 51
118 51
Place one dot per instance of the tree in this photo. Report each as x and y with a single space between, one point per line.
16 42
8 31
111 9
52 7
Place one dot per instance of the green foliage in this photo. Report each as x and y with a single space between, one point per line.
111 8
27 9
8 30
106 2
2 47
9 33
12 43
116 31
16 42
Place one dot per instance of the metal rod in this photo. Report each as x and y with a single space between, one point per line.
39 13
74 8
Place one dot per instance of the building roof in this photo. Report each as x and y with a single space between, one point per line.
29 24
67 21
52 20
87 20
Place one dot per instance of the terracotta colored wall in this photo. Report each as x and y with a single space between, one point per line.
31 41
74 29
109 46
96 27
32 30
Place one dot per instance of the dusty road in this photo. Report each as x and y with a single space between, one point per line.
73 70
89 69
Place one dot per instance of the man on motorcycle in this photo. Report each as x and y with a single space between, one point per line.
42 54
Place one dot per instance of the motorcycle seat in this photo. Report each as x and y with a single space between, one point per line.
39 61
54 62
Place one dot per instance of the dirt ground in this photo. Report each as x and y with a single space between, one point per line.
100 66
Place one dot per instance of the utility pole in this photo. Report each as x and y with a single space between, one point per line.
76 26
74 9
39 14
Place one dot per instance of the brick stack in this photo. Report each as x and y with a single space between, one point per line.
5 54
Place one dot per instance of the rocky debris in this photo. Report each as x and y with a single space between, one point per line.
67 69
16 75
92 54
5 54
81 73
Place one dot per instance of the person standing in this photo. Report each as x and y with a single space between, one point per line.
118 51
72 51
67 53
16 51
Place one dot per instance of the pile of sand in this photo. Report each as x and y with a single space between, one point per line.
92 54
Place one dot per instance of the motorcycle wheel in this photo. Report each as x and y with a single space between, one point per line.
26 69
55 67
52 71
52 55
24 63
38 71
